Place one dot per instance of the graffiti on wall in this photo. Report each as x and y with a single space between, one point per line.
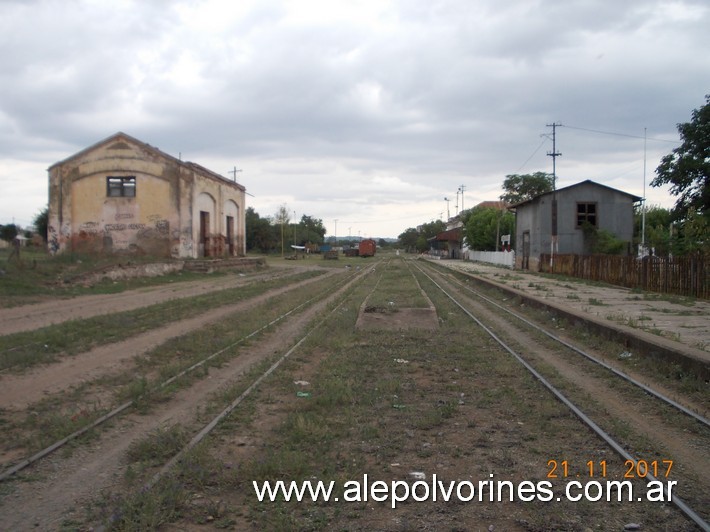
161 224
123 234
52 239
123 227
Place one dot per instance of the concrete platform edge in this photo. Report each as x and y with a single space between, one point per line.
640 342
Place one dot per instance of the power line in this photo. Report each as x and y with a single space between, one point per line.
417 216
618 134
533 154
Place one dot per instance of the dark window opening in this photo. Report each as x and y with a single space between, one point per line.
121 187
586 212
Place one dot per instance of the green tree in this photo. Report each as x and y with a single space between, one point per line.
484 227
9 232
41 222
281 219
408 239
422 243
687 168
692 235
427 231
658 221
311 230
258 232
522 187
431 229
601 241
418 239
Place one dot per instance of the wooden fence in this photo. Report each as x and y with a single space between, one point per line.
686 276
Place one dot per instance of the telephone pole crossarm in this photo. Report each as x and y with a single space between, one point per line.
234 173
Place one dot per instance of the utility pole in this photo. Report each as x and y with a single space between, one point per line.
234 173
643 205
462 188
555 154
282 234
448 214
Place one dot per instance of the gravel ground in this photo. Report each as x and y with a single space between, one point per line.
683 321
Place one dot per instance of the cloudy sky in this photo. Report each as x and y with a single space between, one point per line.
367 112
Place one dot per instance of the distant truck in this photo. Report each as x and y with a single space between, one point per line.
367 248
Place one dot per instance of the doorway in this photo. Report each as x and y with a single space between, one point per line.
526 250
230 235
204 234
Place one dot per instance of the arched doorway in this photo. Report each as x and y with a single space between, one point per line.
205 208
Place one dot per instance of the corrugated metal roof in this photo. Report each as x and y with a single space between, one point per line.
452 235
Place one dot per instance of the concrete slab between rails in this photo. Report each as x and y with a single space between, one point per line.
397 319
635 340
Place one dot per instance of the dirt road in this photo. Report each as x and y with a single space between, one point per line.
31 317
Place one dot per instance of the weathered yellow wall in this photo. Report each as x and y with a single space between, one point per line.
163 217
223 193
138 224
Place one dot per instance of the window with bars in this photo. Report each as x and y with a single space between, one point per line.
586 212
121 187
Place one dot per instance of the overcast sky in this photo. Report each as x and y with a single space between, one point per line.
367 112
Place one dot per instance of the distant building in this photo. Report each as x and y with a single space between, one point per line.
447 244
451 243
569 208
495 204
122 195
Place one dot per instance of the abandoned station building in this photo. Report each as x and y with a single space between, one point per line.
562 215
122 195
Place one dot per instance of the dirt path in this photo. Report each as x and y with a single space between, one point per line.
35 316
67 484
19 391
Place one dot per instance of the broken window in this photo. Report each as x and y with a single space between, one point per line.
121 187
586 212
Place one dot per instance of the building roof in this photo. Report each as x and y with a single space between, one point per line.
500 205
120 136
450 235
586 182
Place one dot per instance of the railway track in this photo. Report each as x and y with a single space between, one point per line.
308 306
517 339
455 292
